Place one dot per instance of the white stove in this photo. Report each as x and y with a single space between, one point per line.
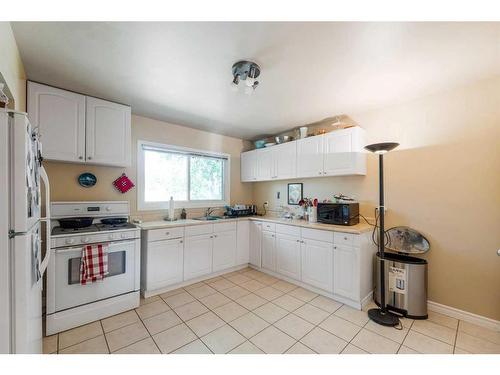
70 304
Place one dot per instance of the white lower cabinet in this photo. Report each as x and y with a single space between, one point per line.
255 249
198 256
317 264
243 242
163 263
346 271
288 255
269 250
224 250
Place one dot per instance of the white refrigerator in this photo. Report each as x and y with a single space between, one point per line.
21 264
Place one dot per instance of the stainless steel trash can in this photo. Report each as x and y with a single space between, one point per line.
405 284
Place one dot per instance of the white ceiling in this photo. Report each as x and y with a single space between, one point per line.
181 72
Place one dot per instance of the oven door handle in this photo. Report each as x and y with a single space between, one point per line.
62 250
48 250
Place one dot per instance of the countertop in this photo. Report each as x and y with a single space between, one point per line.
362 227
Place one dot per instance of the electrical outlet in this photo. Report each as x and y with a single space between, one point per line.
385 210
266 203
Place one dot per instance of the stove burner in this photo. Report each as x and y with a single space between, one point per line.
99 227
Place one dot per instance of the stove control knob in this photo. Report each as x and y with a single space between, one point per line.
123 235
70 241
108 208
85 239
111 237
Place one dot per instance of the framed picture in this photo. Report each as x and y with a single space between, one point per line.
294 193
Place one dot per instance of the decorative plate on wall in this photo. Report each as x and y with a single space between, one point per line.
87 179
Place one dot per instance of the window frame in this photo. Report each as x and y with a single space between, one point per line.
142 205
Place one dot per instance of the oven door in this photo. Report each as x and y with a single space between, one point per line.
121 278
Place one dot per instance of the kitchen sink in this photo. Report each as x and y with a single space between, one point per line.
208 218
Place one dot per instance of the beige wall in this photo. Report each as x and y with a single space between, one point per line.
63 176
444 181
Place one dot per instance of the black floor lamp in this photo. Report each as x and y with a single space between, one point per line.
381 315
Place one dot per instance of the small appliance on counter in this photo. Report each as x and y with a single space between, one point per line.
240 210
338 213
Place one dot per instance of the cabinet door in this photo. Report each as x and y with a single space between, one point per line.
198 256
346 271
285 160
242 242
310 157
288 255
224 250
265 165
164 263
269 250
338 155
256 243
60 116
108 133
248 166
317 264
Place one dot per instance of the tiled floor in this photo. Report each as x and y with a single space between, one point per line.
251 312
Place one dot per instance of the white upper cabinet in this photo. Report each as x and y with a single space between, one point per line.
265 164
343 152
310 157
285 160
60 116
108 133
249 166
80 129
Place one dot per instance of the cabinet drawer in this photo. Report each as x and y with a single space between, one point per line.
224 227
346 239
318 235
196 230
271 227
164 234
288 229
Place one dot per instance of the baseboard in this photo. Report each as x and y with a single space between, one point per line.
464 315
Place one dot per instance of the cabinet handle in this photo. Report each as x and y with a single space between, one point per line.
335 247
211 236
80 157
320 172
90 158
215 236
181 241
167 233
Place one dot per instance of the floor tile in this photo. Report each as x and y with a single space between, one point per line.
222 284
475 344
230 311
303 294
267 279
96 345
269 293
252 285
249 324
375 344
79 334
174 338
172 293
426 344
125 336
272 341
146 346
251 301
50 344
246 348
288 303
239 279
161 322
195 347
223 339
340 327
284 286
270 312
145 301
388 332
351 349
461 351
311 313
202 291
235 292
443 320
406 350
194 286
152 309
481 332
358 317
327 304
435 331
213 279
178 300
323 342
294 326
119 321
215 300
205 323
190 310
299 348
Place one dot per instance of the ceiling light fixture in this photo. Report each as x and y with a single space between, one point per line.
246 71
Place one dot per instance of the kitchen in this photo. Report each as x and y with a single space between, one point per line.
237 217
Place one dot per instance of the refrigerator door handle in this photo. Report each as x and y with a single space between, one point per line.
46 219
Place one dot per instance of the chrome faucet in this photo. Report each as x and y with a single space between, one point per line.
209 211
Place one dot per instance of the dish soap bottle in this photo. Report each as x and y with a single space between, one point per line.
183 214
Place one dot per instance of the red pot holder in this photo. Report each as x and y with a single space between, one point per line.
123 183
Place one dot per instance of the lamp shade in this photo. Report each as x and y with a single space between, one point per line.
380 148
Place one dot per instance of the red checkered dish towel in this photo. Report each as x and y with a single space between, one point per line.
94 264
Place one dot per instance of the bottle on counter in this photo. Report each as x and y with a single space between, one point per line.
183 214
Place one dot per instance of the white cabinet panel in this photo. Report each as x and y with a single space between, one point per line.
269 250
198 256
265 165
224 251
343 152
243 242
164 263
108 133
317 264
346 271
285 160
249 166
60 116
288 255
310 157
255 244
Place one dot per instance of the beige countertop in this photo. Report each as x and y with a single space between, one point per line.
362 227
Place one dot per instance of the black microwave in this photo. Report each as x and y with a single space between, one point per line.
338 213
